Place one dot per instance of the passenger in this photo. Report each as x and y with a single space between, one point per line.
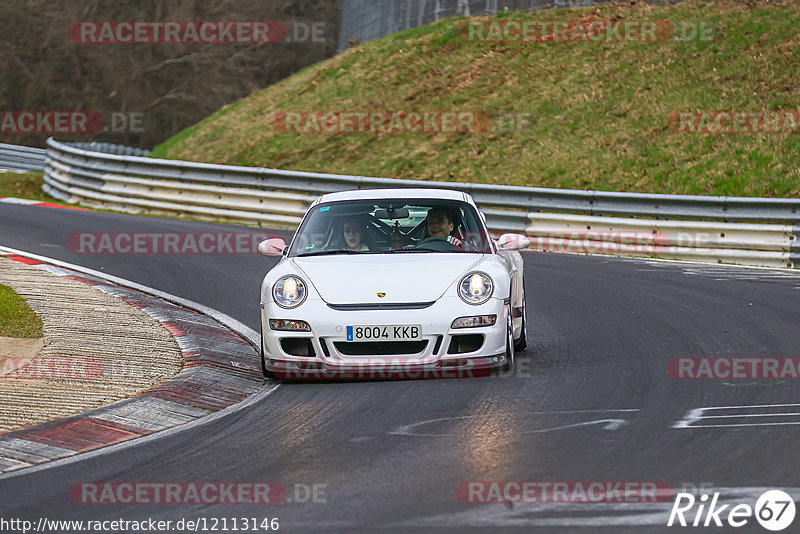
353 231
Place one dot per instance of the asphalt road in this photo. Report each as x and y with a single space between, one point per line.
590 400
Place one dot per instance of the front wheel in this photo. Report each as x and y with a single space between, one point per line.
509 364
522 343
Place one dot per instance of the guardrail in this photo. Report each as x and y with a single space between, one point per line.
21 158
751 231
109 148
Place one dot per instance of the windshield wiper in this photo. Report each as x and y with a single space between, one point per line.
329 252
426 249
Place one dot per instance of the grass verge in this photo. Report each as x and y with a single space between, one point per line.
24 185
17 319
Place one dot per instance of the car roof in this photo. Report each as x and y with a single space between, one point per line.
380 194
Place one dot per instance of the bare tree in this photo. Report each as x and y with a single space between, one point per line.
172 85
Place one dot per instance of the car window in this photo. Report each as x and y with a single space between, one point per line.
391 226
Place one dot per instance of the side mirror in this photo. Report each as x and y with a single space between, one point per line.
272 247
510 242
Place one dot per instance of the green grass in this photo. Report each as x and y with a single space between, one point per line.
601 108
16 317
23 185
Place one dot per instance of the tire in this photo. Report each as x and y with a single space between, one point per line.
509 364
522 343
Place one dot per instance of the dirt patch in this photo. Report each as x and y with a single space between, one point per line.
11 347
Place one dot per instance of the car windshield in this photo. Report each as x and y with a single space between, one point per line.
391 227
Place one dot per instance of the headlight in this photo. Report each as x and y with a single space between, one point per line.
290 325
475 288
474 321
289 292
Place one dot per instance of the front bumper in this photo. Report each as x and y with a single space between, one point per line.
330 356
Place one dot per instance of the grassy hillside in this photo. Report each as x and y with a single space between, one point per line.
601 108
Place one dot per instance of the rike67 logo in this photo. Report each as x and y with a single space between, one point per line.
774 510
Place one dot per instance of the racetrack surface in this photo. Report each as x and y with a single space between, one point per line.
590 401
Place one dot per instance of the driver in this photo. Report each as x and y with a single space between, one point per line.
440 224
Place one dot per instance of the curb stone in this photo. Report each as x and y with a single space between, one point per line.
220 369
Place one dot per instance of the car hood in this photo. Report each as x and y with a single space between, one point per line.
404 278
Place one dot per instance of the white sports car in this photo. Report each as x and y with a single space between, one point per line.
392 283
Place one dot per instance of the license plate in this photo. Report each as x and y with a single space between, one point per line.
395 332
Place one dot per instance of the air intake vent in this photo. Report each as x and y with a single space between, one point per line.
382 306
380 348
